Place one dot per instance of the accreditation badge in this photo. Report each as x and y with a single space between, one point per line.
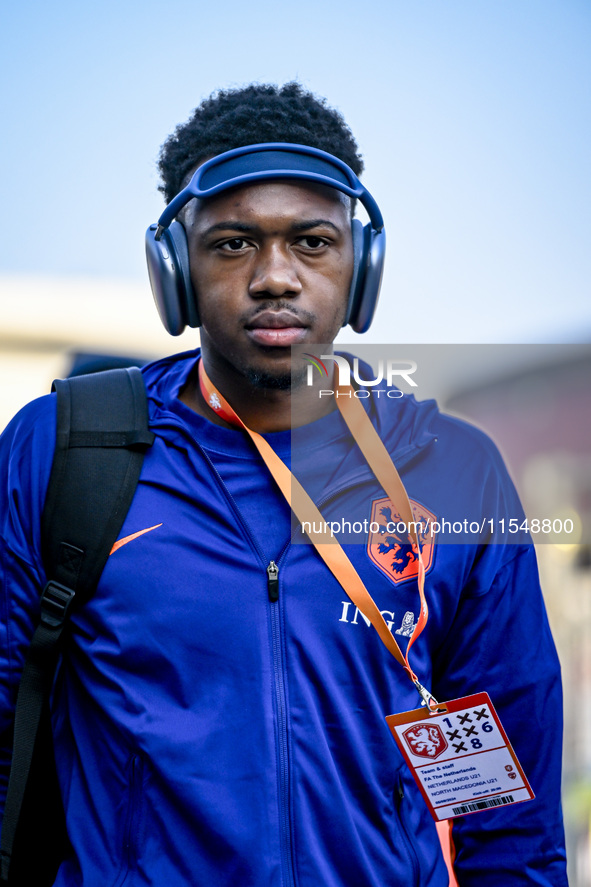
460 757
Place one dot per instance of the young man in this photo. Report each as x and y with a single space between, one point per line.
219 712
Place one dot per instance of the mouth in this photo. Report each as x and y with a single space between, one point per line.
276 329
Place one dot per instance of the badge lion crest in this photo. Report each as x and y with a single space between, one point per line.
425 741
390 550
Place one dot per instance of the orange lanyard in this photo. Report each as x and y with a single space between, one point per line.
308 514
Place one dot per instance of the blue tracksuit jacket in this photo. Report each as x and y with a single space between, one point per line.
207 734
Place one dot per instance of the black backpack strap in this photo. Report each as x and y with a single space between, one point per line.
102 435
101 439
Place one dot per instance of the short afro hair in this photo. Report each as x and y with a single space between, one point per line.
248 116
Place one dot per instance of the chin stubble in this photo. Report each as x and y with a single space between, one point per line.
276 381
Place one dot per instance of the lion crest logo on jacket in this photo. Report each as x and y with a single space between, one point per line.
389 548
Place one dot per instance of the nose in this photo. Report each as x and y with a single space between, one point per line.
275 273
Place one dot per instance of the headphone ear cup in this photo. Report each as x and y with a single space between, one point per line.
358 235
170 278
369 250
189 297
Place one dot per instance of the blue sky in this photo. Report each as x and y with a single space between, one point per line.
473 118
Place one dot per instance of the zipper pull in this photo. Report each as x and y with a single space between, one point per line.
273 581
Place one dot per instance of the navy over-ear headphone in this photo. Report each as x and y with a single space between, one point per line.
167 250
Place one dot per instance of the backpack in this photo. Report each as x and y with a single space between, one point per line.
102 436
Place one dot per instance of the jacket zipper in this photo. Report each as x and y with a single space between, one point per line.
273 581
272 571
285 835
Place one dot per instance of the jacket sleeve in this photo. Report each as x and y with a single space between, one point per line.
500 642
26 450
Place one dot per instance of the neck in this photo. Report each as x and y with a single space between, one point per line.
262 409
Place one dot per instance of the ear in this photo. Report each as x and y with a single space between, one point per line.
170 278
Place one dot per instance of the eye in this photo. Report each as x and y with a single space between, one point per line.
235 245
312 242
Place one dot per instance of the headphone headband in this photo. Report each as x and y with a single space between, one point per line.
271 160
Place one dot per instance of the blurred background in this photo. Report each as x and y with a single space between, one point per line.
474 123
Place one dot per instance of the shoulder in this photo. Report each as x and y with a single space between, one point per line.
466 439
478 469
26 454
30 434
458 473
421 423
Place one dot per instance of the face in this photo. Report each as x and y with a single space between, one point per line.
271 264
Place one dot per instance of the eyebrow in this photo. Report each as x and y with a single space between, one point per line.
231 226
245 228
314 223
